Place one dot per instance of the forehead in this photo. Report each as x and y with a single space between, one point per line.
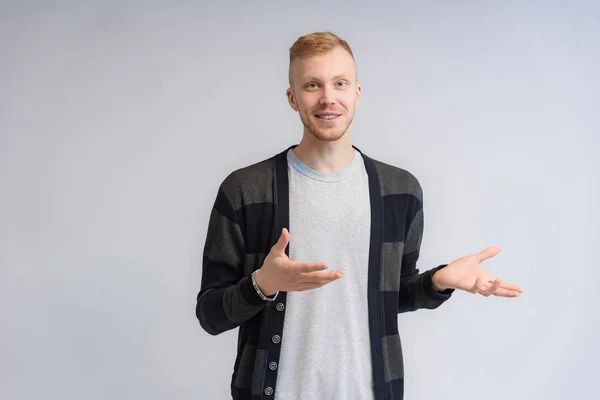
335 63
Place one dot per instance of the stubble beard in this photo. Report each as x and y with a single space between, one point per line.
327 135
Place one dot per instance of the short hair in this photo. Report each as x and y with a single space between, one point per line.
314 44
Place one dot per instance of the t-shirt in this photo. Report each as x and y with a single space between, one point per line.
325 347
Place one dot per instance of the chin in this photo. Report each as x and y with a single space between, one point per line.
330 134
327 136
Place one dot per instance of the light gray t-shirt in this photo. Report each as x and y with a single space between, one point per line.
325 351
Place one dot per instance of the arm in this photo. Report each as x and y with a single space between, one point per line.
416 289
226 298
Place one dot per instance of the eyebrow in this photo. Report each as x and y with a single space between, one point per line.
314 78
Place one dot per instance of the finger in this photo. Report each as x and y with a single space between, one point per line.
476 286
492 288
320 277
487 253
511 287
304 288
304 268
283 241
506 293
314 284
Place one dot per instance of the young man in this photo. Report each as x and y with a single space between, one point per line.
312 253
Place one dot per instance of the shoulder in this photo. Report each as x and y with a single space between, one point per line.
395 180
250 184
250 175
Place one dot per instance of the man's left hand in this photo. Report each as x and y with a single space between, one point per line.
465 274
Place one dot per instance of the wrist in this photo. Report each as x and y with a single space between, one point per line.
435 281
264 288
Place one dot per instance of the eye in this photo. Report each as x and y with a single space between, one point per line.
311 85
342 83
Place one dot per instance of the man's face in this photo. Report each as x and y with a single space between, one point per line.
325 93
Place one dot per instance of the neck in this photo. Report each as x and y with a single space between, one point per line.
327 157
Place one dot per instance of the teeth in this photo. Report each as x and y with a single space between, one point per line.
327 116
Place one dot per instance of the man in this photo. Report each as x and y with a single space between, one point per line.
312 253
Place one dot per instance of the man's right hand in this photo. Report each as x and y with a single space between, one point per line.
280 274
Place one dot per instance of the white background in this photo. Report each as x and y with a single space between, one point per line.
118 121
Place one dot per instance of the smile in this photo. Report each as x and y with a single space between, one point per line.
328 116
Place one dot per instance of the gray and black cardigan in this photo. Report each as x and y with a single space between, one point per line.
249 213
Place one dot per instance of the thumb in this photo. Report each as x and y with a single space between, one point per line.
488 253
283 241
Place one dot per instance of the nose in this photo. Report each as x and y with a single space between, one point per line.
327 95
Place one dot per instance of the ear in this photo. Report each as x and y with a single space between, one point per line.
292 99
358 92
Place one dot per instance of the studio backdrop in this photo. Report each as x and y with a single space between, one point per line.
119 120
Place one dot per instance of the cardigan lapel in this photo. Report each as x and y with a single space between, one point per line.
375 306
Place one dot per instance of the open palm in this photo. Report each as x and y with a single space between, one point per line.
466 274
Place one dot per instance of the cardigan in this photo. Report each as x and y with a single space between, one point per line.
250 210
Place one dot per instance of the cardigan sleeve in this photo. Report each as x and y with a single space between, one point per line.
226 298
416 289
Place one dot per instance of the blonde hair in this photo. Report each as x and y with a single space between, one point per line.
314 44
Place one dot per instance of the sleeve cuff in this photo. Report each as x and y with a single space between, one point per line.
430 290
249 293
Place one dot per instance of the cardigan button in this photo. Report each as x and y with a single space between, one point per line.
268 390
272 365
276 339
279 307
